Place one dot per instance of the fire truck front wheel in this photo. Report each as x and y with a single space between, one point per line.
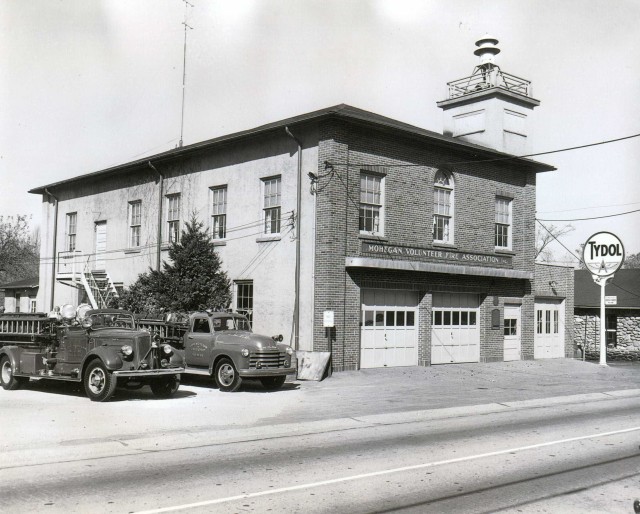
166 387
99 383
9 382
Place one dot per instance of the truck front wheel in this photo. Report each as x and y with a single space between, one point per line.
227 376
273 383
166 387
99 382
9 382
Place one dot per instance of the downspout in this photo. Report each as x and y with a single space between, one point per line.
159 249
296 311
55 240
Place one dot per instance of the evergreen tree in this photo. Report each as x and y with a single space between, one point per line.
192 281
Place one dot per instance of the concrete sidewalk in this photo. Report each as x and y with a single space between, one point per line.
389 390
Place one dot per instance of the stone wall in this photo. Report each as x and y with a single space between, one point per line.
587 334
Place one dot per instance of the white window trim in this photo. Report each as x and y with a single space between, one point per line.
452 208
132 225
212 190
263 210
381 212
68 234
509 225
168 220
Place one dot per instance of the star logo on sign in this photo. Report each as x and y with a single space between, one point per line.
603 267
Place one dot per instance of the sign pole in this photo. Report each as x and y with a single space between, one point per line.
602 281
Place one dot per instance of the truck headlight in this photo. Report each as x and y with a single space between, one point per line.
126 350
289 350
245 352
167 349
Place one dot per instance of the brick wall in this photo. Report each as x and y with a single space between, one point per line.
409 167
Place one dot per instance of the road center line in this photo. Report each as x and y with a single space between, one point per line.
381 473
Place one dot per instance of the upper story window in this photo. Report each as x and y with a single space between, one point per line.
219 212
70 231
135 223
503 223
173 217
371 204
443 208
272 205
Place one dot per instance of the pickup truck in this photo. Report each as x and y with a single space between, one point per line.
100 348
222 345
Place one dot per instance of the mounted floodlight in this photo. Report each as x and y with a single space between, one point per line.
68 311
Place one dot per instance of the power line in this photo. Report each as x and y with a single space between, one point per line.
496 159
591 207
597 217
550 151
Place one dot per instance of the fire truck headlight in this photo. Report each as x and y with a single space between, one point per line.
126 350
245 352
289 350
167 349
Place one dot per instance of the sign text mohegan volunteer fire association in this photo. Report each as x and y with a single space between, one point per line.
429 254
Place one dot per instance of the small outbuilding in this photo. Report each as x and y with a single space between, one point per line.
21 295
622 315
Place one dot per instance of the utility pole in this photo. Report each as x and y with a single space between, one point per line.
184 66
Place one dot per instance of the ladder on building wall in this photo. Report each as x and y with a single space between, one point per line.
99 287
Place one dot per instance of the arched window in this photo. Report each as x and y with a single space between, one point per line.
443 208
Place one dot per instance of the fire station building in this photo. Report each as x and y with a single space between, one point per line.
420 244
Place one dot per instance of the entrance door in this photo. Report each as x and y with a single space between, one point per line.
389 329
455 329
512 345
548 342
101 245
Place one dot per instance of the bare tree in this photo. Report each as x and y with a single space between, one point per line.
19 249
547 235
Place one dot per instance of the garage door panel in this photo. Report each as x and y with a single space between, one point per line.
455 333
388 333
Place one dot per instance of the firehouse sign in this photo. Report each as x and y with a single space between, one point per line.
603 254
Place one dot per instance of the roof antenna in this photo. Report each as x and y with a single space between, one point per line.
184 66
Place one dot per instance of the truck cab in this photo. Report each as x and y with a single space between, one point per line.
222 345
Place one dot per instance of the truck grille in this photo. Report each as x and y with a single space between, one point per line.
141 348
266 359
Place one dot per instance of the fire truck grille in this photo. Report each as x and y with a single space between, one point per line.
266 359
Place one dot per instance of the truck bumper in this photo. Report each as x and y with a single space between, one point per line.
259 373
146 373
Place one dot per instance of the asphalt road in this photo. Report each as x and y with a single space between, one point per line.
205 451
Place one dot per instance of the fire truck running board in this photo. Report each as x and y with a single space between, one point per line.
197 371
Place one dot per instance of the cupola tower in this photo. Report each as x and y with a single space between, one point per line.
491 108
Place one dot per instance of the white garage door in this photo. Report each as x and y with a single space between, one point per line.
389 333
549 337
455 329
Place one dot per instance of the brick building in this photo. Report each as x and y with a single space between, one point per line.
421 244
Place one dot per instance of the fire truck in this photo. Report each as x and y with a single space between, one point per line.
99 348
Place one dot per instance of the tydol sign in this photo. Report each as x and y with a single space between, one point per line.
603 254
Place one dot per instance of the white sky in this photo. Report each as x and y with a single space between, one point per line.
88 84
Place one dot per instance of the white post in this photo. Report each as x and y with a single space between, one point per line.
603 341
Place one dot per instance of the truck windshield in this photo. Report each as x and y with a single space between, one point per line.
104 320
230 323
